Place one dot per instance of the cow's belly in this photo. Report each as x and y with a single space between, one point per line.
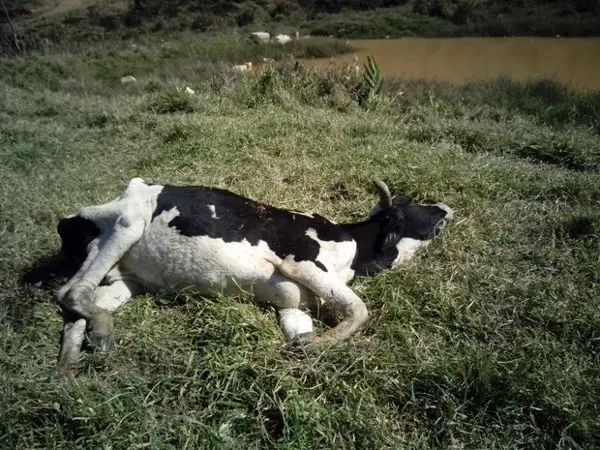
167 259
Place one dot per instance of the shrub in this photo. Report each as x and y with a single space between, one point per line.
172 100
369 88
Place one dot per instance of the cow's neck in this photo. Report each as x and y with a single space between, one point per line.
367 235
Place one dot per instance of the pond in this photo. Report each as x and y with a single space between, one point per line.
571 61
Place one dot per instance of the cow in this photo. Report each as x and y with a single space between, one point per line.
164 238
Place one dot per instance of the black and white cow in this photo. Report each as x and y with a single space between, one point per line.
155 237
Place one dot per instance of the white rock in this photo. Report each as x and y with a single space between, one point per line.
261 36
242 67
189 90
282 38
128 79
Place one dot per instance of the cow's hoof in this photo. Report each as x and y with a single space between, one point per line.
77 297
299 345
100 342
100 333
66 370
300 340
319 344
304 338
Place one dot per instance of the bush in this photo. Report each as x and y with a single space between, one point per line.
172 100
341 88
458 11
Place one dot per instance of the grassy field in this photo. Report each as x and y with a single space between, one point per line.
488 339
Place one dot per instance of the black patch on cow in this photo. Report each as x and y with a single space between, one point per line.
376 239
239 218
321 266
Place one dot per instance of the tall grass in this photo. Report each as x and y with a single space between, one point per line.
488 339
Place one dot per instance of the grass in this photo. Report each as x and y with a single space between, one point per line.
488 339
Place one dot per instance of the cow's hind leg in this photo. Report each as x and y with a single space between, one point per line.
297 326
333 291
110 298
79 299
287 296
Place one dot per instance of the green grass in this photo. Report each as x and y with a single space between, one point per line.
488 339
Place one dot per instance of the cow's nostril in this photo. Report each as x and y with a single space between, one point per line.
449 211
441 224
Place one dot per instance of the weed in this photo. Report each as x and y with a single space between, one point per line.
369 90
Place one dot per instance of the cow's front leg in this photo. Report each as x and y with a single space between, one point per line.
110 298
79 299
71 340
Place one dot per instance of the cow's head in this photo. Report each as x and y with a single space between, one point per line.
76 234
405 226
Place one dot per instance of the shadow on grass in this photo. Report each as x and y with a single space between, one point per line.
34 283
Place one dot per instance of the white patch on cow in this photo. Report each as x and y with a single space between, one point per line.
163 257
213 211
407 247
449 215
333 290
335 256
122 222
281 292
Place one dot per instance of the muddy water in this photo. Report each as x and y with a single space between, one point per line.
571 61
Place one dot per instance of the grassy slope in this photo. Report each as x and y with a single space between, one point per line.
489 339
